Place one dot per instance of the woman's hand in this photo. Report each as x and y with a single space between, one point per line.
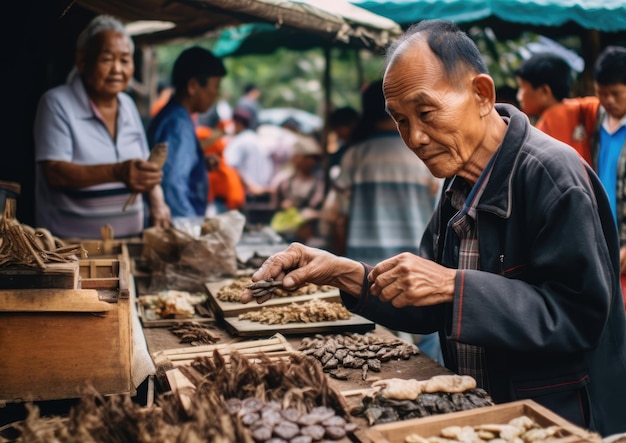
300 264
160 214
139 175
410 280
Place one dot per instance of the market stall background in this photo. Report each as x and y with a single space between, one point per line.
43 54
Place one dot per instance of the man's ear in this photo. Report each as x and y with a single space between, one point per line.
547 90
485 91
192 87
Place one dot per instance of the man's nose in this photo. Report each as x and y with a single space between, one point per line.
418 137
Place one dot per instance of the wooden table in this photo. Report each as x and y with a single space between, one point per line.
419 367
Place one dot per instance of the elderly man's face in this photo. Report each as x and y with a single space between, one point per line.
438 118
112 68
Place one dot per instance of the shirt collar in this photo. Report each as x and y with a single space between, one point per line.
605 124
86 108
465 197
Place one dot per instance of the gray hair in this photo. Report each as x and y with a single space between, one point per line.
100 24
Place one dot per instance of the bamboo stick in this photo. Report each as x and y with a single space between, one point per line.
187 362
247 352
211 348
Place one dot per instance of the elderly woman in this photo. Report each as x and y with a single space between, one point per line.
90 144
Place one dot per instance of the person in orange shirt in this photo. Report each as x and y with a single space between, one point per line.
544 82
226 191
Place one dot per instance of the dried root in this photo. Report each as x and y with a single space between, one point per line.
22 245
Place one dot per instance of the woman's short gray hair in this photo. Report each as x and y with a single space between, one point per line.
99 24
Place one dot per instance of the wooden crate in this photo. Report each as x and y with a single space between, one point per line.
396 432
56 341
106 268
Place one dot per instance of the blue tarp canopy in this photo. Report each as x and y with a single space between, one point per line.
602 15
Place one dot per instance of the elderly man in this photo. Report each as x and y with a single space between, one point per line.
518 270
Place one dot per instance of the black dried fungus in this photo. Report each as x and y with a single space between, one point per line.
374 364
352 351
378 409
333 363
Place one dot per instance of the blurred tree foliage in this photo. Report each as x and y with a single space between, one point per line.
295 78
289 78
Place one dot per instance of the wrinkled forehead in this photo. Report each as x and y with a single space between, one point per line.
106 39
412 59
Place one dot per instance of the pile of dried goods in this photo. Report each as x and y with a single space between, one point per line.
355 351
400 399
23 245
520 429
193 333
222 408
172 303
315 310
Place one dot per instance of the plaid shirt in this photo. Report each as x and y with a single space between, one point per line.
463 241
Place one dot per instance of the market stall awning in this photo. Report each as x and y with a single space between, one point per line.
602 15
336 20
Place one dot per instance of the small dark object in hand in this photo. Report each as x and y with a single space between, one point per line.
264 288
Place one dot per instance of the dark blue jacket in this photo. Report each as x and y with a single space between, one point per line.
546 303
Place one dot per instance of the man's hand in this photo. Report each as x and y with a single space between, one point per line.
212 162
410 280
299 264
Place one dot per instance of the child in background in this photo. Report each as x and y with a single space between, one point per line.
544 82
299 196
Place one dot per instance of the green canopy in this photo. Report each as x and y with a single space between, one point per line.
602 15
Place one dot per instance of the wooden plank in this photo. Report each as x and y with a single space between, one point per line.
248 328
56 275
232 309
100 283
51 300
228 347
181 386
396 432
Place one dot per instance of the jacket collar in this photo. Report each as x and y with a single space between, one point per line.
498 191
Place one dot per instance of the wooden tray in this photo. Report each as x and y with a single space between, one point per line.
224 309
151 320
396 432
248 328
